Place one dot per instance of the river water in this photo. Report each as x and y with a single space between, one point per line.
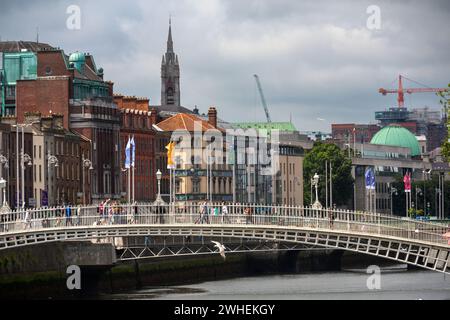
395 283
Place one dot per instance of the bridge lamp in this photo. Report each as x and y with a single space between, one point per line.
315 181
158 175
3 187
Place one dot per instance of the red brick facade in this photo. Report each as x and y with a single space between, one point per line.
136 121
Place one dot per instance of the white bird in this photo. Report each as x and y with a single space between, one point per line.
221 248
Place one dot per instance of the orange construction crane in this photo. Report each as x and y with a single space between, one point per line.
401 91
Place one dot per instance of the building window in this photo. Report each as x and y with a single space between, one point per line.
195 186
178 186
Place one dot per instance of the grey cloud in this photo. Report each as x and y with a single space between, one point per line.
315 58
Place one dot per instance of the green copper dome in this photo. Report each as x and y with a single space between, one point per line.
77 59
397 136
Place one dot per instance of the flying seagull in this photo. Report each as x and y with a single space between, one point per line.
221 248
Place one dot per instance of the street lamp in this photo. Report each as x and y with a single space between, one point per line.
51 160
418 191
437 202
315 181
159 200
86 164
25 158
393 191
3 162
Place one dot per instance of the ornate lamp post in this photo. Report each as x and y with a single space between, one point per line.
3 182
159 200
25 159
315 182
86 164
51 160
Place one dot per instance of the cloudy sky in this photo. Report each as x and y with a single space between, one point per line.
318 61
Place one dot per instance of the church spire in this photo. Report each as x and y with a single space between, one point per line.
169 38
170 74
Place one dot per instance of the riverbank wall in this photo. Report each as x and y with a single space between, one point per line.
40 271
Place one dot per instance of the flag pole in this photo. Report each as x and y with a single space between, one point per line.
133 156
326 184
128 156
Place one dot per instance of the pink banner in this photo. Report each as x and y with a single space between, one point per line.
407 181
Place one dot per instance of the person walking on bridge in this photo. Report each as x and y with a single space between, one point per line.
68 210
225 213
27 220
204 214
331 218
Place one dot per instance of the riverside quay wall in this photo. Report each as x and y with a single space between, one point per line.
40 271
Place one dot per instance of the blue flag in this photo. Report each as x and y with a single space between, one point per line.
128 154
133 151
370 179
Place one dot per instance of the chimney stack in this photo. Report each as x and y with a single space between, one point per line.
153 116
212 117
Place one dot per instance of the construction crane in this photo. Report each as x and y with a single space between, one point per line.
266 110
400 91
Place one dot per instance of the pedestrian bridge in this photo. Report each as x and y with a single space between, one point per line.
404 240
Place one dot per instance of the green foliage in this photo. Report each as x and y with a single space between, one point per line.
427 205
445 99
342 178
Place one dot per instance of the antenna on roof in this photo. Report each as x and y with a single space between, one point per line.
37 34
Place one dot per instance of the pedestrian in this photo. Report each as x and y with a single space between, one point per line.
135 212
110 215
68 215
225 213
331 217
78 215
247 215
100 209
27 220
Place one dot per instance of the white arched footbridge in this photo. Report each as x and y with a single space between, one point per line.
417 243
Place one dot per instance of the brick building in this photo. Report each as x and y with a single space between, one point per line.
343 132
71 86
9 151
137 121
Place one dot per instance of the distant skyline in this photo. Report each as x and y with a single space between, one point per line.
317 60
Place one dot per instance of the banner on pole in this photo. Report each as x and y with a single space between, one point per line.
407 181
170 163
128 154
370 179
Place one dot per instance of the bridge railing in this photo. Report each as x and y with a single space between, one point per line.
218 213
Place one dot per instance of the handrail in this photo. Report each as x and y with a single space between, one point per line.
219 213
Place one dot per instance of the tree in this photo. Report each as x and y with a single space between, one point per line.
429 187
445 99
342 178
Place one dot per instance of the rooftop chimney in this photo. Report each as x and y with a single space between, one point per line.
212 117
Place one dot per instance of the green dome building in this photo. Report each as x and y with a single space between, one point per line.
395 135
78 59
